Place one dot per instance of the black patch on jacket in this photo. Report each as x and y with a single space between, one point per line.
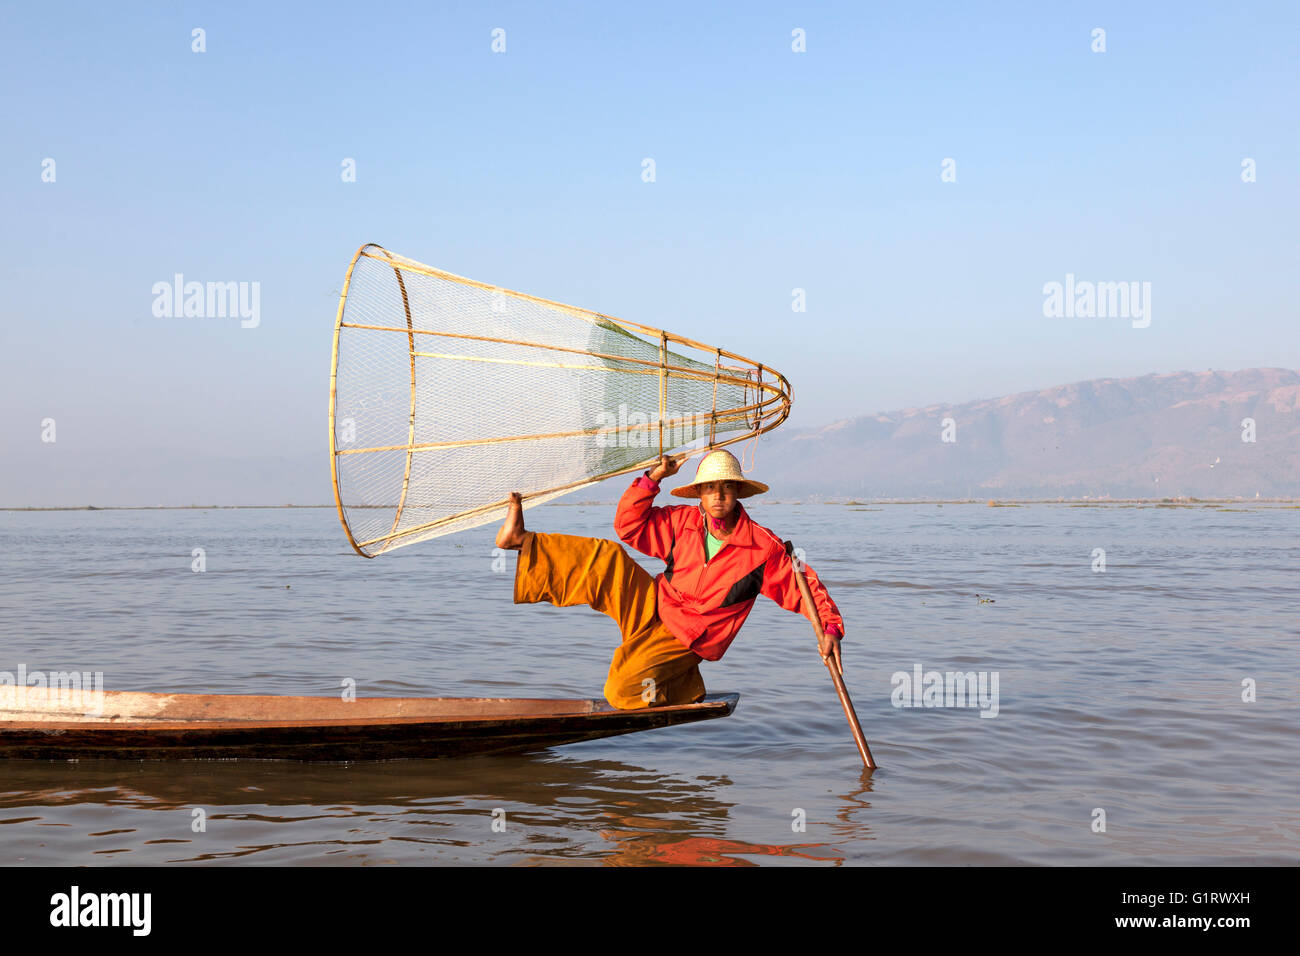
668 570
747 588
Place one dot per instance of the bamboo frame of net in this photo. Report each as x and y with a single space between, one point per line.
769 408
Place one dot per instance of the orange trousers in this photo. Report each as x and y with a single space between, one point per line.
651 666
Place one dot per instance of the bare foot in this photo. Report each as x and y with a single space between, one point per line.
511 535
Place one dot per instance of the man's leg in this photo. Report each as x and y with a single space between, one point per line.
567 570
651 666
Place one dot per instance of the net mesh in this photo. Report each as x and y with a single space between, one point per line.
448 394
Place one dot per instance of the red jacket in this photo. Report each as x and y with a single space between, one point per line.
704 605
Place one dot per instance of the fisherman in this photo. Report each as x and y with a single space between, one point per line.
718 561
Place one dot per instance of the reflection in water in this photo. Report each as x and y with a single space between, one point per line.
641 849
645 841
535 779
554 810
554 806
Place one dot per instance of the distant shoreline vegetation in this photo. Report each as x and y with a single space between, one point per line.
985 502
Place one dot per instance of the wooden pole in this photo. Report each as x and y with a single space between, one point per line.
806 593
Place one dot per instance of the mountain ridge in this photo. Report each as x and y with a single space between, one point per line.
1156 435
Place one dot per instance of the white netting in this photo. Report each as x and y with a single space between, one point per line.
450 394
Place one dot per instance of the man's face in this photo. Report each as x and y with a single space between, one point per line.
718 498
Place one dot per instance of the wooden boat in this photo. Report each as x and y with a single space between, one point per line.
140 726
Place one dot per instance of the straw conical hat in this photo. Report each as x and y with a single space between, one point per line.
720 465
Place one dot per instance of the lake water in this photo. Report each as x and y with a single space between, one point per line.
1118 691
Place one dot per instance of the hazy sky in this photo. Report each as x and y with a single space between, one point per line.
774 170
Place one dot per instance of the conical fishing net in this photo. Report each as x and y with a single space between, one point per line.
447 394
